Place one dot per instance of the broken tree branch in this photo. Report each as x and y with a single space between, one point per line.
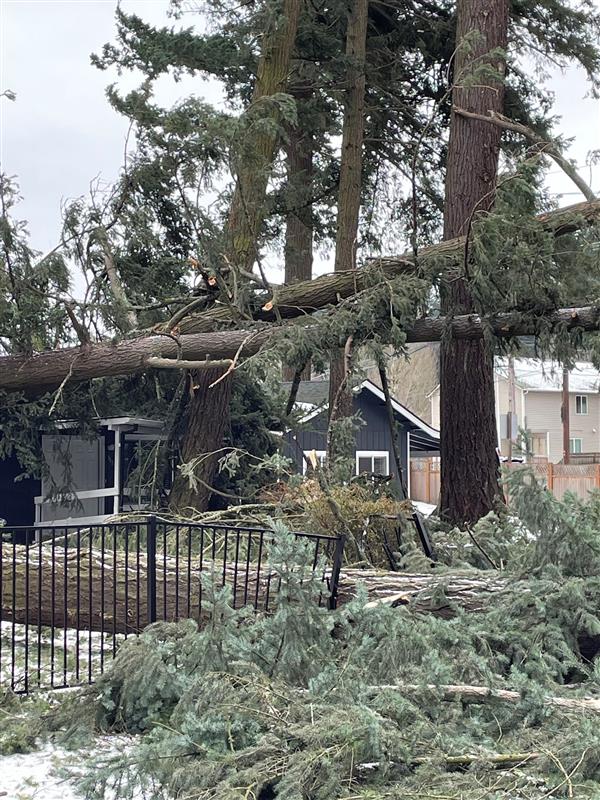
479 694
306 297
544 145
47 370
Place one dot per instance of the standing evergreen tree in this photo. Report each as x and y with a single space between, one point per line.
349 194
469 464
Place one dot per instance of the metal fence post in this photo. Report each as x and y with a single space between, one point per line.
338 558
151 568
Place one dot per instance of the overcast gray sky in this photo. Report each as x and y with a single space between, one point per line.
61 132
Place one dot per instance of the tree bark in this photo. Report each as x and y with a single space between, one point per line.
206 425
246 213
298 252
469 464
46 371
349 195
309 296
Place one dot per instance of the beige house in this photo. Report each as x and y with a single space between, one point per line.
537 407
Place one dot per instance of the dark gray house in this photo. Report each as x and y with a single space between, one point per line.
373 450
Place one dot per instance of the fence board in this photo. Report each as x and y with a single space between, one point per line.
580 479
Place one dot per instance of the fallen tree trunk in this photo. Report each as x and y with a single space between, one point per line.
480 694
107 590
305 297
94 588
48 370
469 590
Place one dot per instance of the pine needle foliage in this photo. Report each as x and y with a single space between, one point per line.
307 704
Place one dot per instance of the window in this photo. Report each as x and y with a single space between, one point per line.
581 404
575 445
372 462
321 457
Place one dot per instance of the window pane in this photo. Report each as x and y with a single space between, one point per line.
581 404
379 465
364 464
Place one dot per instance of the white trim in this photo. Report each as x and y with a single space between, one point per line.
373 454
398 408
402 410
88 494
407 465
78 521
117 472
113 422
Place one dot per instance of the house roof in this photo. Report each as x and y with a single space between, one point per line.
313 397
536 375
313 393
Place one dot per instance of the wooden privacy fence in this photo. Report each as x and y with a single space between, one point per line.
580 479
425 480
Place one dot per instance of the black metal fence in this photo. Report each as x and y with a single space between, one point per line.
71 594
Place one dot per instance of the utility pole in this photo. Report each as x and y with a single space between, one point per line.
564 413
511 406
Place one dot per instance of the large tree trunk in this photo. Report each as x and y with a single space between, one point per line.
253 167
46 371
206 425
469 468
349 194
309 296
298 252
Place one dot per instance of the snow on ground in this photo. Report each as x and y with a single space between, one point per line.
53 657
31 776
37 776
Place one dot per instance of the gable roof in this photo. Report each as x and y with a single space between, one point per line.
536 375
313 396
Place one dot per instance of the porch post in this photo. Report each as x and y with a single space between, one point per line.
117 473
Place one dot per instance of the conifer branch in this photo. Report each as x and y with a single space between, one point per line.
544 145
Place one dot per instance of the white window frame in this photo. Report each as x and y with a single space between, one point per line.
572 450
373 454
580 398
320 454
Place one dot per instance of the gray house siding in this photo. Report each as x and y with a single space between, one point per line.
373 435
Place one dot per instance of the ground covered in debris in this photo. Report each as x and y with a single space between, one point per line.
490 691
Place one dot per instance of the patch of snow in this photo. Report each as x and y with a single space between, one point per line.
32 776
426 509
37 775
52 657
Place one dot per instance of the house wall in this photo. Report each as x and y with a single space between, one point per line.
413 378
539 412
543 414
374 435
16 497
